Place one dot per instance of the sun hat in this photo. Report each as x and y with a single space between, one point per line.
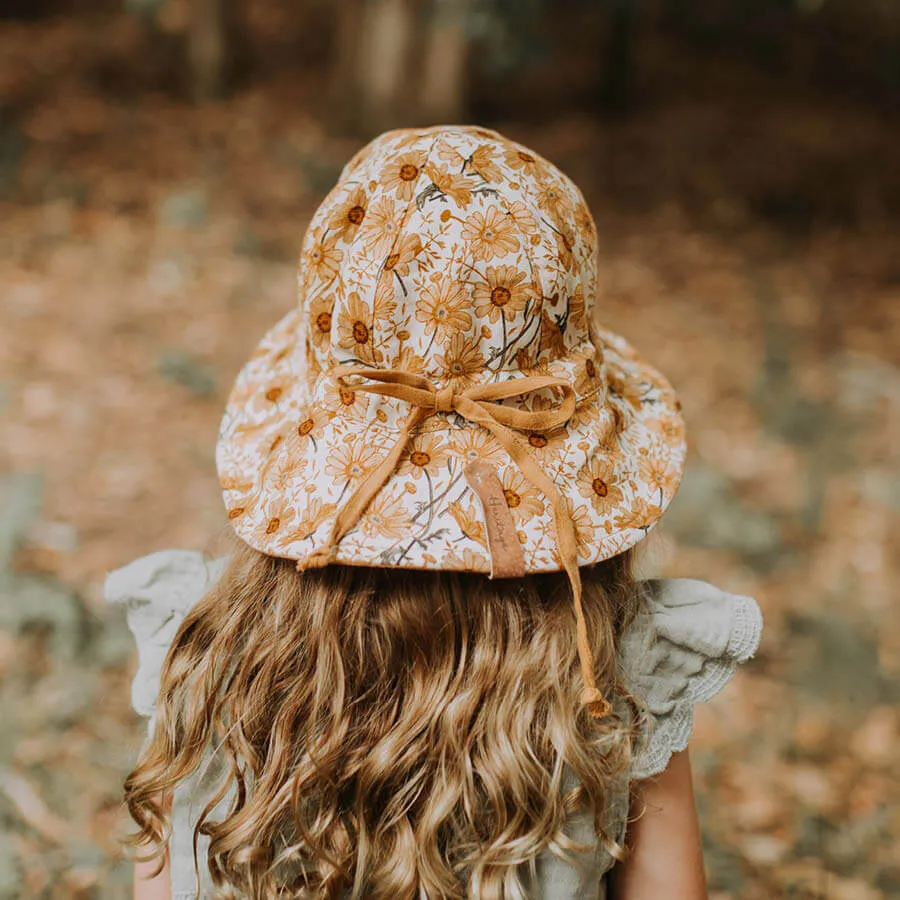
441 397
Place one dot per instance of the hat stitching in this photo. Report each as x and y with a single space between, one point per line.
535 274
411 202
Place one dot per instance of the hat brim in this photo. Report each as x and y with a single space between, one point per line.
288 459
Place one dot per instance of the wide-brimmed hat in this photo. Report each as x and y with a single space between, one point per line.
441 397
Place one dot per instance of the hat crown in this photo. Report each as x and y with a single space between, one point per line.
451 252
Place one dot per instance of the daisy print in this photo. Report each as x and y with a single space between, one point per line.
520 160
490 234
468 520
522 497
443 308
321 311
505 291
450 185
401 173
386 517
461 360
312 518
483 162
323 258
598 482
381 227
351 462
349 215
467 561
425 455
355 330
477 445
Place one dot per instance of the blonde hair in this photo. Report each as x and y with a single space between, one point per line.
386 733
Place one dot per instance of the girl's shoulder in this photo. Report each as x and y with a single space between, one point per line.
681 649
157 592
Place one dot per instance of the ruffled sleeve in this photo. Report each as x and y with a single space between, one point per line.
682 649
157 591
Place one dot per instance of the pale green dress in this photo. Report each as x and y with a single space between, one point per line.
682 649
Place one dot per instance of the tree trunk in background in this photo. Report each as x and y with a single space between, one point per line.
399 63
617 84
384 76
442 89
207 49
343 108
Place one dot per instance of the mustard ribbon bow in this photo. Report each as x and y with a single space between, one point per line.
477 404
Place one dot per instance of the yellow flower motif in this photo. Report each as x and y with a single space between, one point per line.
320 313
468 561
551 340
384 302
425 454
352 461
355 329
577 317
307 425
587 374
349 215
469 522
657 472
323 258
521 495
529 367
346 402
548 444
598 482
491 234
450 155
554 201
477 445
565 244
402 172
453 185
410 361
505 290
381 227
522 161
630 389
278 515
640 515
387 516
461 361
585 530
588 414
441 308
524 220
404 252
314 515
669 427
483 162
584 222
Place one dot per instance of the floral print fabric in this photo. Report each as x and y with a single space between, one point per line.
455 254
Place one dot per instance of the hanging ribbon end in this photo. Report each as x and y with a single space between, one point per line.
597 705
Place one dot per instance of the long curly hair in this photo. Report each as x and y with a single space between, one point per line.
385 733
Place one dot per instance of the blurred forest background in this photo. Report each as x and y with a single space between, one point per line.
159 160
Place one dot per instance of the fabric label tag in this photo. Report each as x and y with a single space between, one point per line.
507 559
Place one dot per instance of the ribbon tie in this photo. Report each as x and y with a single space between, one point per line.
478 405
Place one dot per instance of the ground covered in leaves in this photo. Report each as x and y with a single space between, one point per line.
748 248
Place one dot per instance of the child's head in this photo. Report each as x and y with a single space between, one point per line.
440 406
446 294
